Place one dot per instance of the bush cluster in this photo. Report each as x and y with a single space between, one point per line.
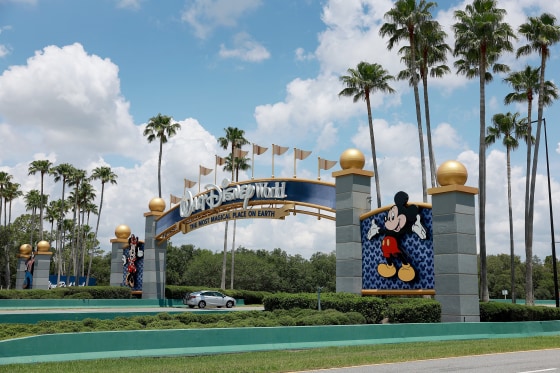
74 292
373 309
188 320
504 312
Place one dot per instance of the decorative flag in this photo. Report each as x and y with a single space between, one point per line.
220 161
189 183
325 164
301 154
238 153
174 199
205 171
258 150
279 150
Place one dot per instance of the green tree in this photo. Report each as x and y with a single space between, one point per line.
541 34
404 20
512 128
5 180
235 138
33 202
105 175
161 128
360 82
11 193
431 56
43 167
481 37
62 172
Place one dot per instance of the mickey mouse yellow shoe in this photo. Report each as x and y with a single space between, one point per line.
386 270
406 273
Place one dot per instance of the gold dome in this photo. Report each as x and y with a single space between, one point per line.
25 249
122 231
43 246
352 158
452 173
157 205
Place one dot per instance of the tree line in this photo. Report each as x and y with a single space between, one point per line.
482 38
72 239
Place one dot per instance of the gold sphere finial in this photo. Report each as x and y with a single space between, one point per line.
157 205
122 231
25 249
43 246
352 158
452 173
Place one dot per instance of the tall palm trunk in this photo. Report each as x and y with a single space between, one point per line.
159 166
373 152
482 180
510 214
96 231
59 238
429 131
529 293
224 260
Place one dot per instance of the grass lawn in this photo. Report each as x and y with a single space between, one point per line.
295 360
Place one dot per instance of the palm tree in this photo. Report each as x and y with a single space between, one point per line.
64 172
160 128
481 37
5 180
43 167
105 175
11 193
541 33
235 164
360 82
432 55
511 128
33 202
236 138
405 19
75 180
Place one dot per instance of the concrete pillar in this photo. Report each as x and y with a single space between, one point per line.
353 188
454 235
154 254
118 244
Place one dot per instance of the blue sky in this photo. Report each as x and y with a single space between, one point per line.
80 79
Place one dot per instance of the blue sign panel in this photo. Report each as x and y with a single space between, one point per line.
397 248
313 193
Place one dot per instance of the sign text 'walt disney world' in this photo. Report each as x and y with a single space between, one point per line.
217 195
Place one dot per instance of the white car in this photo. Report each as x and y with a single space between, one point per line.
209 298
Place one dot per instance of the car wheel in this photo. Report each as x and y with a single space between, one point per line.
229 304
191 306
201 304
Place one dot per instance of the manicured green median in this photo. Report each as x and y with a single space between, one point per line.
295 360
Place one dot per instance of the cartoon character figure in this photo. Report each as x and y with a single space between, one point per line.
29 266
130 262
401 218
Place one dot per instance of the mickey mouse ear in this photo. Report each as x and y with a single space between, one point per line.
401 198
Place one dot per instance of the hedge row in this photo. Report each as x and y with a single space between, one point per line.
73 292
373 309
504 312
187 320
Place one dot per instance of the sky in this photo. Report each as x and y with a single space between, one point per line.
80 80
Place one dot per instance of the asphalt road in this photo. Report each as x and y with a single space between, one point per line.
512 362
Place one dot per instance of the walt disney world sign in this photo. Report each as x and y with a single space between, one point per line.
255 199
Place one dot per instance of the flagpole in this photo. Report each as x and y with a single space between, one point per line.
295 162
253 163
199 171
216 169
273 151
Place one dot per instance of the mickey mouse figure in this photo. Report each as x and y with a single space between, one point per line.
401 218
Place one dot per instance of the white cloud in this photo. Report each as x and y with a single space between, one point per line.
206 15
245 48
129 4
